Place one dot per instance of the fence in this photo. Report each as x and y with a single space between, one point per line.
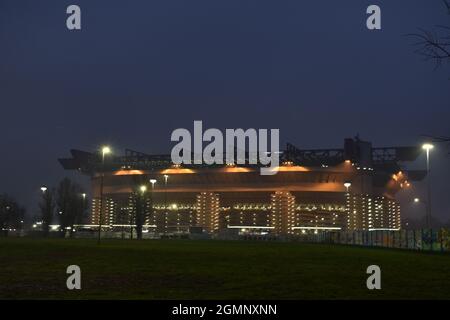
425 239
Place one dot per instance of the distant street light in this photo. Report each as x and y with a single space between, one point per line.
418 201
428 147
347 185
143 188
153 182
166 177
105 150
43 189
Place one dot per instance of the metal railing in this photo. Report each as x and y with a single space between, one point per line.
424 239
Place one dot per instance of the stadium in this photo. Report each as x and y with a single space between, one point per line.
345 189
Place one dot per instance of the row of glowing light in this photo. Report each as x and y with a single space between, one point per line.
300 207
262 207
242 228
214 219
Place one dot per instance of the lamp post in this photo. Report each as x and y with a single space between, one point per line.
153 182
347 185
428 147
418 201
140 211
429 233
47 212
166 178
105 151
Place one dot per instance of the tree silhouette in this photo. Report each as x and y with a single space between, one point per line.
434 45
11 214
47 207
140 211
71 205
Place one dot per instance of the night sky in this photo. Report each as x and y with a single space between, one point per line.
140 69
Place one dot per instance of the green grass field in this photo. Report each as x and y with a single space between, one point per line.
172 269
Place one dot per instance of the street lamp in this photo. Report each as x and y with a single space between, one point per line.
153 182
428 147
105 150
347 185
418 201
43 189
166 177
139 215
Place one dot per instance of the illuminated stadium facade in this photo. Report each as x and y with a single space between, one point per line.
352 188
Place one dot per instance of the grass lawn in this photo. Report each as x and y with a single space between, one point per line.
183 269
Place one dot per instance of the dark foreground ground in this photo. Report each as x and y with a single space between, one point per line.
171 269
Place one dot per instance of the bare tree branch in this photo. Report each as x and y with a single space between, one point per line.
447 5
434 45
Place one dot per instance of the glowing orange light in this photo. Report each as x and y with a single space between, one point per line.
291 169
177 171
237 169
128 172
